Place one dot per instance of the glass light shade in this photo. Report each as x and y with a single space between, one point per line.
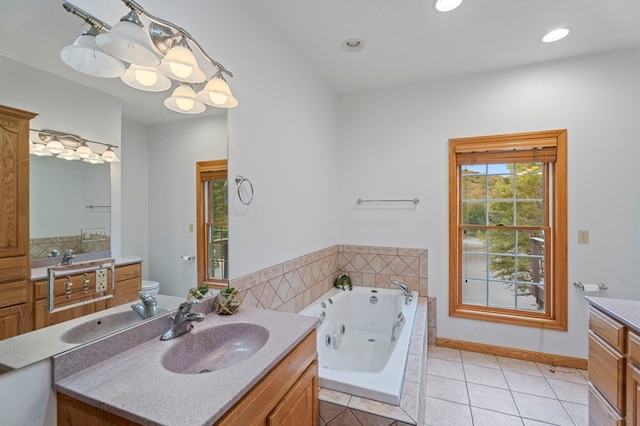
555 35
145 78
129 42
85 56
447 5
94 159
181 65
109 156
183 100
54 146
38 149
231 102
68 154
84 151
218 94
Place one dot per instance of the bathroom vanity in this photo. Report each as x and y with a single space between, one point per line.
132 377
128 282
614 362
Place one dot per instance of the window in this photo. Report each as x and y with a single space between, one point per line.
508 229
212 219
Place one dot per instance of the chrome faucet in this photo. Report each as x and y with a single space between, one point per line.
67 258
149 306
182 321
408 294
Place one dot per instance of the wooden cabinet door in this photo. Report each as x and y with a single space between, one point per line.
43 318
13 321
300 405
633 395
14 183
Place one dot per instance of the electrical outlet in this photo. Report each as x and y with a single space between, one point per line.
101 280
583 236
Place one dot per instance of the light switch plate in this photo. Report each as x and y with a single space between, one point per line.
583 236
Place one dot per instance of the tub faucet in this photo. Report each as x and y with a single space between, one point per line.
149 306
408 294
182 321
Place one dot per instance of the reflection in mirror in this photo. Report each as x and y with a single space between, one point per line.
150 193
70 207
213 232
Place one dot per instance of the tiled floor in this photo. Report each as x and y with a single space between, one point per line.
467 388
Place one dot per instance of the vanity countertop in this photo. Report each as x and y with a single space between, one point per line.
41 273
133 383
625 311
26 349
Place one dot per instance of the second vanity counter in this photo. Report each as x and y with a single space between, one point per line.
123 373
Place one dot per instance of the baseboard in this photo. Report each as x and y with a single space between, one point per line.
551 359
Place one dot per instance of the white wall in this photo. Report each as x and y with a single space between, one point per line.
393 144
174 150
135 192
282 136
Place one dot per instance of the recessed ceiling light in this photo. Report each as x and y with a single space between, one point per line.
353 45
446 5
555 35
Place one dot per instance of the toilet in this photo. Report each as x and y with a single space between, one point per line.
151 287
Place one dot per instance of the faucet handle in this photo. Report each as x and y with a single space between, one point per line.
185 307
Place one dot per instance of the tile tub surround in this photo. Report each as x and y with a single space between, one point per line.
116 373
293 285
341 409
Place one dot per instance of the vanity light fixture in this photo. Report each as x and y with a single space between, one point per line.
70 147
157 57
446 5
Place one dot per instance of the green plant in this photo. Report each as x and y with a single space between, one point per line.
343 281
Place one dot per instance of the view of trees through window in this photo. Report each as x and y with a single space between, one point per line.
504 227
217 229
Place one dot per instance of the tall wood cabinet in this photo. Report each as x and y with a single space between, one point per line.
15 315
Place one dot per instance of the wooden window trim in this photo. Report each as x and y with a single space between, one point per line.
556 315
205 171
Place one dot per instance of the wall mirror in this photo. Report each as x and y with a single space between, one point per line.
68 197
69 206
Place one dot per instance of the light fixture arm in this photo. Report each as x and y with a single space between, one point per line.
180 32
63 135
86 17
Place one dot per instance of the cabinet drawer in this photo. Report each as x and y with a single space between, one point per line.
607 371
127 272
14 269
633 345
608 329
600 412
126 291
13 293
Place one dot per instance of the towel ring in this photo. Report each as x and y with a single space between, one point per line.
239 181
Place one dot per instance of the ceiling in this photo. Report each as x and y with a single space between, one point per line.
406 40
